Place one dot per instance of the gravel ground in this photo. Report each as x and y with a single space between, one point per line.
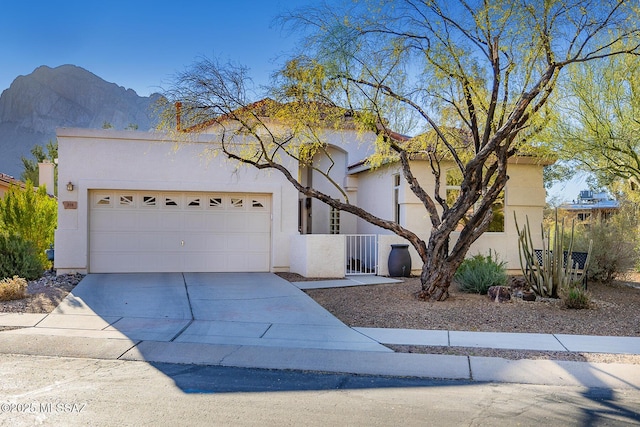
44 294
615 312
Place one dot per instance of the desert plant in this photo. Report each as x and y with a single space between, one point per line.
19 257
478 273
575 297
553 272
615 245
13 288
30 213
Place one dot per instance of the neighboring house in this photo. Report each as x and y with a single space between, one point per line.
7 181
591 205
140 202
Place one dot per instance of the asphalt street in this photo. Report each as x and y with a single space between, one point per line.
37 390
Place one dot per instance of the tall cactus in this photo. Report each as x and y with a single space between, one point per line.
553 273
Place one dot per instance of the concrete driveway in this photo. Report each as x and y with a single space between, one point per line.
255 309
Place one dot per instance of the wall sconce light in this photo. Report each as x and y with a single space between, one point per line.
70 186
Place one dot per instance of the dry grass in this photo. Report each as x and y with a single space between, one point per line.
42 295
13 288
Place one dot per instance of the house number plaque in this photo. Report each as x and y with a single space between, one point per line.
70 205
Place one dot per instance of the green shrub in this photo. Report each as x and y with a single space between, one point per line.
19 257
30 213
14 288
479 273
615 245
576 298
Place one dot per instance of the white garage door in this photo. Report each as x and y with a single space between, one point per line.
147 231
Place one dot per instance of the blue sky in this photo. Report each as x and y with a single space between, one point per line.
139 44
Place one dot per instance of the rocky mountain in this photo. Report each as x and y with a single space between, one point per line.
66 96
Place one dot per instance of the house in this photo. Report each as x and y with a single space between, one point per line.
134 201
591 205
7 181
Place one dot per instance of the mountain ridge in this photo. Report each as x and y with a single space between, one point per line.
66 96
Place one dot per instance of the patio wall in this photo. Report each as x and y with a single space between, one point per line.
318 255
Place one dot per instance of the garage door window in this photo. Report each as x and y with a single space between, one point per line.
171 202
126 200
193 202
103 200
215 202
149 201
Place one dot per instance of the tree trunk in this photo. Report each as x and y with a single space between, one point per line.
438 270
436 279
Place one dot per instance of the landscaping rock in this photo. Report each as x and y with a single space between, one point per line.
518 284
499 293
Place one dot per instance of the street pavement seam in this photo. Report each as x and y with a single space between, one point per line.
266 330
561 343
181 331
133 345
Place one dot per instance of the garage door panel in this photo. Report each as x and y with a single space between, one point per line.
103 262
215 221
195 221
202 261
197 242
147 220
148 242
171 220
259 242
259 223
179 232
101 220
123 220
238 221
171 244
112 241
236 242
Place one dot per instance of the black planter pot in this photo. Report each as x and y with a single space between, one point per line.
399 261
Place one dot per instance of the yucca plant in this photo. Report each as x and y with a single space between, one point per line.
553 272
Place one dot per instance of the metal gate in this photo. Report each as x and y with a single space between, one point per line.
362 253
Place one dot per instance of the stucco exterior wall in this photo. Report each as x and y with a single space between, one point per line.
524 195
108 159
318 255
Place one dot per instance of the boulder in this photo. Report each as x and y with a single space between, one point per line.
499 293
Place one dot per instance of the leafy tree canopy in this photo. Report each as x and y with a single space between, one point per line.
40 154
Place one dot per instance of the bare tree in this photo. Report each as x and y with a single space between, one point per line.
474 81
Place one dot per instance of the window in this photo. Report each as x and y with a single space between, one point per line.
149 201
215 202
193 202
104 201
168 201
236 203
334 221
126 200
454 180
396 198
